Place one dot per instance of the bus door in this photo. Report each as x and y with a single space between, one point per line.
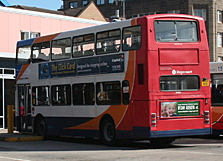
24 103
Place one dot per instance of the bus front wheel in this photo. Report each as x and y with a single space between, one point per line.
40 127
108 133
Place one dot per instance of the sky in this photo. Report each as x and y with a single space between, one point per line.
47 4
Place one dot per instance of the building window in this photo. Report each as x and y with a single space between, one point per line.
110 1
99 2
84 3
174 11
135 15
220 58
219 16
28 35
201 13
141 14
24 35
73 4
145 14
219 39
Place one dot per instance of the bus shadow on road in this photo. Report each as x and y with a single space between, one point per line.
121 145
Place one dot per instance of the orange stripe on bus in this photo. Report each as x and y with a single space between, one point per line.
216 113
133 22
22 70
45 38
116 111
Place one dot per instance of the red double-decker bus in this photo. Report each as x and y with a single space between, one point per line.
143 78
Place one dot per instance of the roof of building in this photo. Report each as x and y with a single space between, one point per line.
74 12
48 15
37 9
5 2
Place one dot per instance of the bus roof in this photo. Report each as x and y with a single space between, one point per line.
25 42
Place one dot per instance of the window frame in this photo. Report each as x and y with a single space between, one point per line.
81 92
35 96
100 2
134 45
219 39
40 54
105 95
178 83
80 45
219 16
173 37
63 54
85 3
73 4
101 46
56 92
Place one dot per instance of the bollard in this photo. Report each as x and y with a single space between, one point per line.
10 118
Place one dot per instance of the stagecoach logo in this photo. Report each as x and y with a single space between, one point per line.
181 72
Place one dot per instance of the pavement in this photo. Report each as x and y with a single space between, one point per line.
18 137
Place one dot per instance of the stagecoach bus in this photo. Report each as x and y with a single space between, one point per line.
217 97
142 78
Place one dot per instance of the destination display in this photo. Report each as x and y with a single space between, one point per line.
82 66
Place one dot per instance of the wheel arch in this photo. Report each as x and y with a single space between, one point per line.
104 117
37 117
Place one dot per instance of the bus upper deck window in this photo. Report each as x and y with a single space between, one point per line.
61 49
176 31
41 52
131 38
83 45
108 41
23 55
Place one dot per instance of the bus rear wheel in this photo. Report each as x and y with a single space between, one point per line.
40 127
108 133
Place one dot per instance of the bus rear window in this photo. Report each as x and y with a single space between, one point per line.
176 31
179 83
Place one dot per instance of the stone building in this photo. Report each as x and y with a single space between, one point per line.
210 10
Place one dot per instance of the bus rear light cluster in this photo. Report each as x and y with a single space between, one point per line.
206 117
153 119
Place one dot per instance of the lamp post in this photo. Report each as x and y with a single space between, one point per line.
123 7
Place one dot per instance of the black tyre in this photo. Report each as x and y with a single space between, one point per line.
40 127
108 132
